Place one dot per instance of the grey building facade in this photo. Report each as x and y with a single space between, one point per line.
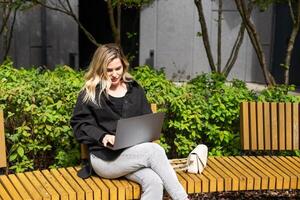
168 38
44 37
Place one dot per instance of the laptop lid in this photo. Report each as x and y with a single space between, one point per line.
136 130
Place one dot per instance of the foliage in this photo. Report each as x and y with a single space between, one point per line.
38 105
280 93
205 110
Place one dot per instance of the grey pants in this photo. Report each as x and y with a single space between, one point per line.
146 164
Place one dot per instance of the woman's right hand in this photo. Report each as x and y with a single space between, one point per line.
108 139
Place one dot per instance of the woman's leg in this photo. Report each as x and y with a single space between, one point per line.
152 185
149 155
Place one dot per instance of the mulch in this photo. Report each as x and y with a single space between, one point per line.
267 194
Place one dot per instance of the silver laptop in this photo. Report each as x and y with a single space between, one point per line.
136 130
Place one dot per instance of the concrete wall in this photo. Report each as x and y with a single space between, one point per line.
168 39
61 38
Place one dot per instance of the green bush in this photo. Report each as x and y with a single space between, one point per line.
37 107
204 110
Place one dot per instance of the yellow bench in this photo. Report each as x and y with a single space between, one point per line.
232 173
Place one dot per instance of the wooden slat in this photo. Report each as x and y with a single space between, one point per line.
154 107
84 153
260 127
294 184
29 187
197 182
216 182
19 187
9 187
113 191
253 126
120 188
282 173
291 181
263 182
229 180
238 179
77 188
136 189
182 181
267 124
68 188
37 185
3 193
83 185
3 162
275 180
57 185
244 120
102 186
274 129
296 124
128 188
253 180
205 182
288 126
52 192
281 113
96 190
190 182
293 166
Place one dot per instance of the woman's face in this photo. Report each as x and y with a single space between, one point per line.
115 71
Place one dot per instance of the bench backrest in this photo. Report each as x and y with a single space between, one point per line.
84 150
3 162
269 126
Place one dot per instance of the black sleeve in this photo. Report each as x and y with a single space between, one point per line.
145 104
85 127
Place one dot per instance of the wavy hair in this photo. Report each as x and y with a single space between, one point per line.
97 71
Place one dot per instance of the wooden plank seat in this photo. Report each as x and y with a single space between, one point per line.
227 173
232 173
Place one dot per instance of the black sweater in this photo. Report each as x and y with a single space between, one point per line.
90 122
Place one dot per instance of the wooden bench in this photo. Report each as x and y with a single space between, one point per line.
232 173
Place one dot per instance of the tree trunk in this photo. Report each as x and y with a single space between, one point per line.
113 26
290 47
255 40
205 37
219 63
9 35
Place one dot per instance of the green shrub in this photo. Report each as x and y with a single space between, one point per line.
38 106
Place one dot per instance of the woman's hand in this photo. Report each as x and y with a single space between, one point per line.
108 139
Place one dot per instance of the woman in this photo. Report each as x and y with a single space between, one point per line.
109 94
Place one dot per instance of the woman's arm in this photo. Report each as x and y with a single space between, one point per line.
85 127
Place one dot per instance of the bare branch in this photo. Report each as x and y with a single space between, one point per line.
291 43
234 52
6 16
205 37
70 13
291 11
255 40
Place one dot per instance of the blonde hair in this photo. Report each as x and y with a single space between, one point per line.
97 71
